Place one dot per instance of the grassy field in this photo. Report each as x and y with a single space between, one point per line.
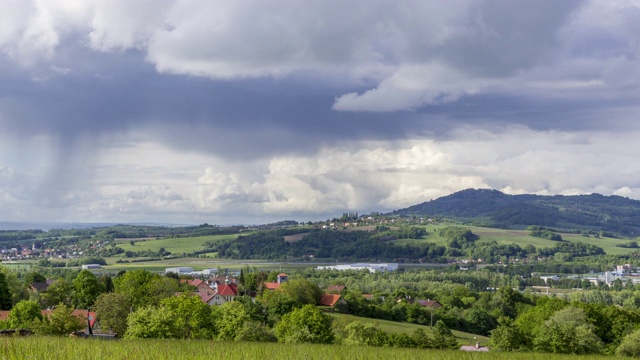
406 328
202 263
173 245
522 238
81 349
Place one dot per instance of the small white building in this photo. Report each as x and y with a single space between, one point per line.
179 270
91 266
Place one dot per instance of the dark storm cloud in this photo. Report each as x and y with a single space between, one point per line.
115 92
288 108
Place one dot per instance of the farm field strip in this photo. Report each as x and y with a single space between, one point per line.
173 245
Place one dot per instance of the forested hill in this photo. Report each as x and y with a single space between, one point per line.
494 208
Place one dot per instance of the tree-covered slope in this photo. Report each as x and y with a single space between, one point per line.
598 212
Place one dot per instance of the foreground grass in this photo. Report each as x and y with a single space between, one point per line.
77 349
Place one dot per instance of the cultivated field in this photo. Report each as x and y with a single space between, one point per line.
81 349
173 245
202 263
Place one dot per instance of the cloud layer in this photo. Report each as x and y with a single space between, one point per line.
191 111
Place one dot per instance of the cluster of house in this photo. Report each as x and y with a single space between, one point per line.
13 254
218 290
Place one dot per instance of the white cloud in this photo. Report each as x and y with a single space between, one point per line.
136 179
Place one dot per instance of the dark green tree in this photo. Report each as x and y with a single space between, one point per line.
507 337
85 290
305 325
112 309
5 293
59 292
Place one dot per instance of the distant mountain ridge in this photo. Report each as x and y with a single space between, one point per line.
492 207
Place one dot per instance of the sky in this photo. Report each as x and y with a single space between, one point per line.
247 112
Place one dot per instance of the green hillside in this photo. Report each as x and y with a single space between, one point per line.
522 239
593 212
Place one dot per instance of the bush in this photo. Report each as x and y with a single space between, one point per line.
630 345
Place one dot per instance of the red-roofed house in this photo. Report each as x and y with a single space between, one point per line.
225 293
271 285
199 284
206 296
334 301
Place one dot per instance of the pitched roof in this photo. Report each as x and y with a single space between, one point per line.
222 279
194 282
329 299
205 296
271 285
39 286
282 274
228 290
429 303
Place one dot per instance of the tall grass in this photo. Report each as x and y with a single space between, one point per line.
37 347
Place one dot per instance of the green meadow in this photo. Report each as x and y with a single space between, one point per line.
35 347
199 263
174 245
522 238
407 328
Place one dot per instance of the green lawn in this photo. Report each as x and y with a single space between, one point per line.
407 328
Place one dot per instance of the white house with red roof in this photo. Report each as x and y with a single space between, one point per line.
334 301
224 294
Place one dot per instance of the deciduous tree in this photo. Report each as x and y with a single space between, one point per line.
305 325
23 313
85 290
112 309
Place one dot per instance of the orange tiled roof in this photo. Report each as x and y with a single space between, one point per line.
228 290
329 299
271 285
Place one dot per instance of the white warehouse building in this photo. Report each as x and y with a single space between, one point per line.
371 267
190 271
